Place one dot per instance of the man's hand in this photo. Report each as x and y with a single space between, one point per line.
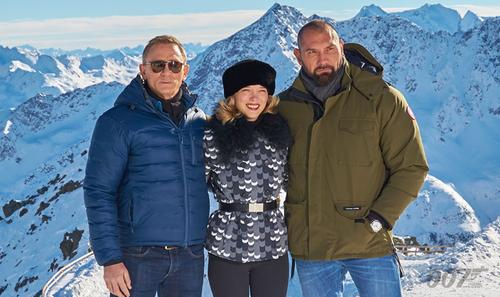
117 280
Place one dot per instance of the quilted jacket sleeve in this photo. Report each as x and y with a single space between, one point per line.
106 166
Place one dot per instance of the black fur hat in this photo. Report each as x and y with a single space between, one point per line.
248 72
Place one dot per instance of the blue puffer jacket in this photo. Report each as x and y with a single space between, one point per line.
144 182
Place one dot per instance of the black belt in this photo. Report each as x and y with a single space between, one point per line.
248 207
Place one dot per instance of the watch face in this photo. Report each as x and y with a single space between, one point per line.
376 225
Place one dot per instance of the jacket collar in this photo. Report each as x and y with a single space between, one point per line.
362 72
135 95
298 84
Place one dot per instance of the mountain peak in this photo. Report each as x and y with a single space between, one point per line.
433 6
434 9
470 14
326 19
433 18
469 21
276 6
279 10
370 10
429 17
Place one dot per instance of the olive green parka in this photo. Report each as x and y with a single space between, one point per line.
359 151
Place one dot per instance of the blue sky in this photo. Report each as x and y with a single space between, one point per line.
110 24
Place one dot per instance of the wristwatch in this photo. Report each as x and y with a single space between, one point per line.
375 225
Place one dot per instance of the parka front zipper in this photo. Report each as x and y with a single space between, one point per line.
193 148
180 135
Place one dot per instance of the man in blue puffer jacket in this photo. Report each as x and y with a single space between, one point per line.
145 190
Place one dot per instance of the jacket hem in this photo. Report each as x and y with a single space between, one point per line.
344 256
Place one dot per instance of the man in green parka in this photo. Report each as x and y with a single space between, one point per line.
356 163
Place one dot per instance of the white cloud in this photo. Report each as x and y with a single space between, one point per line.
117 31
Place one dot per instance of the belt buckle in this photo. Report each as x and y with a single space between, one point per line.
169 247
256 207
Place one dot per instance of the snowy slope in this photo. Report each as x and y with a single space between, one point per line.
471 268
450 80
443 216
43 223
44 125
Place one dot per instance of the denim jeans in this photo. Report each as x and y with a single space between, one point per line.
173 273
373 277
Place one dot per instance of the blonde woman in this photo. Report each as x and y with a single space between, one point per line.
246 145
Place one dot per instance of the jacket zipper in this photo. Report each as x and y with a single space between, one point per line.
181 142
193 149
186 208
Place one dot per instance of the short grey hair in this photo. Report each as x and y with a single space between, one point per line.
163 39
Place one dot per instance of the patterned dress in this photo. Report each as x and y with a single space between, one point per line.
254 172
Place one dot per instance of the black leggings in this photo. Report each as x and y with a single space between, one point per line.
233 279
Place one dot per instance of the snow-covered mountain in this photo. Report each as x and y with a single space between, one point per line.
25 73
192 49
450 80
43 158
433 18
429 17
443 216
85 52
45 122
271 39
370 11
469 21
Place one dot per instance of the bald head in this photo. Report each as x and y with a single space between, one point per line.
318 26
320 51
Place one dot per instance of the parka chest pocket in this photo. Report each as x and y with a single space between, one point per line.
196 145
356 141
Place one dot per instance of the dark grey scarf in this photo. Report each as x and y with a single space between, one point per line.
323 92
172 106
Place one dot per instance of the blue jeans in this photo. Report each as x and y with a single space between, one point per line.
373 277
173 273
